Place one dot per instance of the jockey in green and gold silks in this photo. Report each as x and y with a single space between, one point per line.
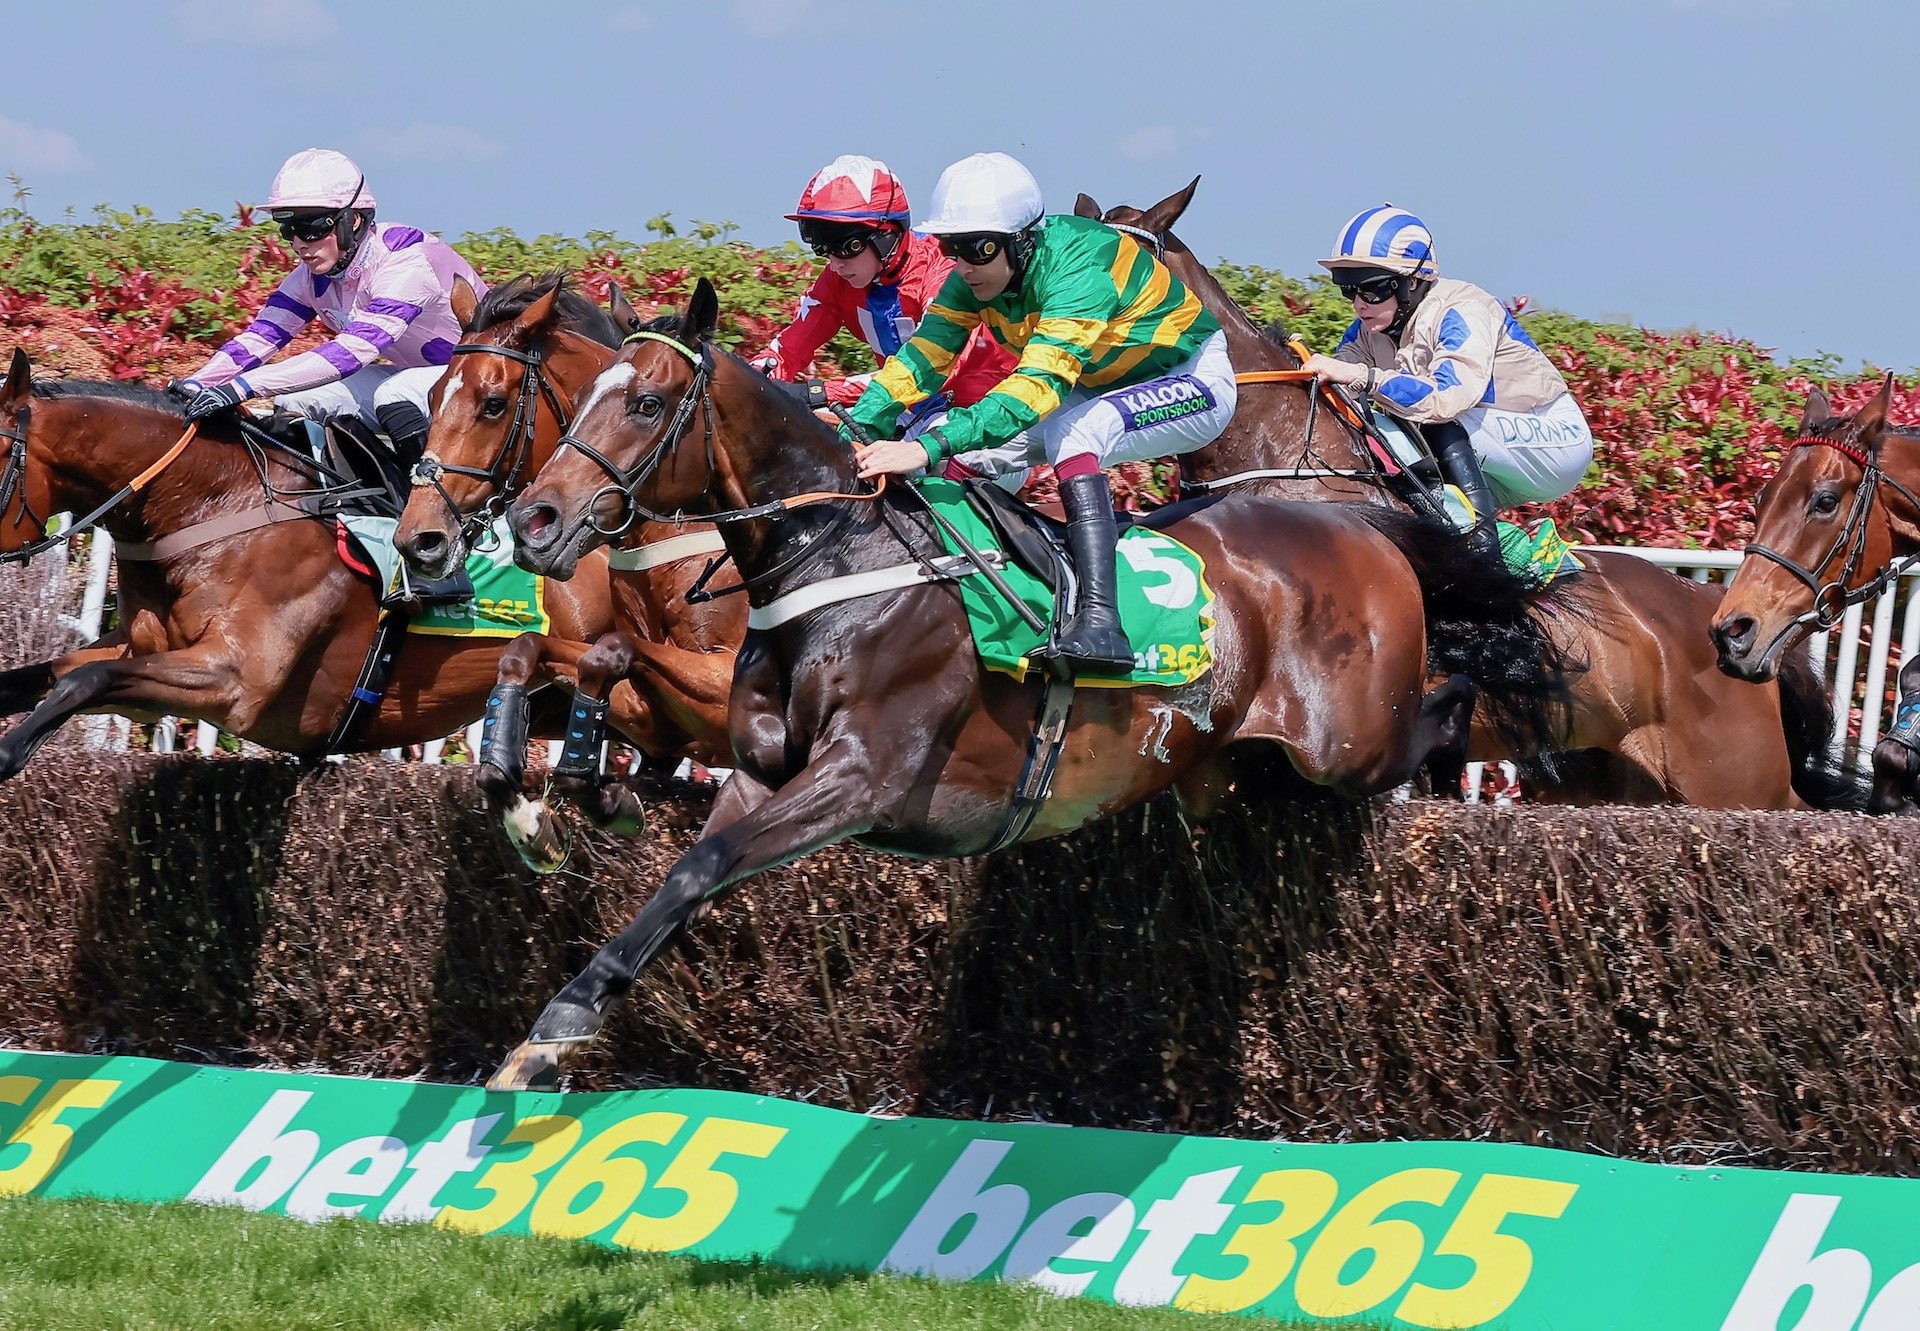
1118 363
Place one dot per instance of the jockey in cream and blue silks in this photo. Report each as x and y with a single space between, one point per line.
384 291
1450 358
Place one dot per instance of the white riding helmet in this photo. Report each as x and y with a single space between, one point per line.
320 178
988 192
1384 237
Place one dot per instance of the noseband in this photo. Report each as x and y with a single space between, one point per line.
1832 598
515 451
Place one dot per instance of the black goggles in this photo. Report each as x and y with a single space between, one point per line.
839 242
1374 290
308 227
974 248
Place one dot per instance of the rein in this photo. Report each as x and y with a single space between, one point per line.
517 446
1832 599
14 477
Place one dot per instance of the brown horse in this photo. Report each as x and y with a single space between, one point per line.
1835 526
1652 720
871 718
260 628
529 347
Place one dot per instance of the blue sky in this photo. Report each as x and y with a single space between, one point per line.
1727 163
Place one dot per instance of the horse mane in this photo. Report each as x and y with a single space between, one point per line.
578 313
118 390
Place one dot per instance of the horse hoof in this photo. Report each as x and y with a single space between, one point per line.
536 837
530 1067
629 816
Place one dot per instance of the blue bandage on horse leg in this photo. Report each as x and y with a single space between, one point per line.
586 733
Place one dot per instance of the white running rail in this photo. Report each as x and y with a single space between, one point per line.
1867 667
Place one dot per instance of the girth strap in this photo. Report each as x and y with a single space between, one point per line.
831 591
376 672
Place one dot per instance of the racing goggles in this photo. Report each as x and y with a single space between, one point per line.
309 227
835 242
973 248
1374 289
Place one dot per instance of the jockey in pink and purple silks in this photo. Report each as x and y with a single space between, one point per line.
384 290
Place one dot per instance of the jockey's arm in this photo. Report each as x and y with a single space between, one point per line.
408 286
288 310
794 347
919 369
1052 362
1456 379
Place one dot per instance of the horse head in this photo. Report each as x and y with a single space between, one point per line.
1821 541
639 443
526 349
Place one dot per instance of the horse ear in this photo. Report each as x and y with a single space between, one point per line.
703 314
1871 420
1084 206
1160 218
622 310
464 303
531 321
1819 411
19 383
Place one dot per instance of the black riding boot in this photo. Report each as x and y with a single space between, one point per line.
1461 467
1091 636
406 429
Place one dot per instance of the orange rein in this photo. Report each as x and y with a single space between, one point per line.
1338 403
145 478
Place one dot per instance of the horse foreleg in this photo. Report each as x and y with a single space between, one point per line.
577 775
196 682
1896 758
501 765
749 830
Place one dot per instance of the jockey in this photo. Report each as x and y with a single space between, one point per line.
382 288
1118 362
879 279
1450 358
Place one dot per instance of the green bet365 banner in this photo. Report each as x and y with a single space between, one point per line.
1419 1234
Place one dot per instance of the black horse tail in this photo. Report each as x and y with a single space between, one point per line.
1484 622
1821 777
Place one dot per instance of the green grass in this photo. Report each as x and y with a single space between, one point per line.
91 1266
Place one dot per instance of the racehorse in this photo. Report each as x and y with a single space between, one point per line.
1652 717
1834 528
529 346
236 606
871 718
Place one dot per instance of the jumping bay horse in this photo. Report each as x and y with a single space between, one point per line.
1652 719
1834 528
871 718
262 630
528 350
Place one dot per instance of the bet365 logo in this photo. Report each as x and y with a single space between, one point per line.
1839 1282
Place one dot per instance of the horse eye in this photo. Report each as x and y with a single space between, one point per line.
1826 502
493 407
647 404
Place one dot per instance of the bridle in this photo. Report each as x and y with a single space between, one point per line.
515 452
1833 598
625 482
14 476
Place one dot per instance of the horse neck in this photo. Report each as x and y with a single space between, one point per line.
1900 458
1269 429
98 446
766 447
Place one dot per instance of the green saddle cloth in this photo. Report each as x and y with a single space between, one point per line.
1166 606
1541 554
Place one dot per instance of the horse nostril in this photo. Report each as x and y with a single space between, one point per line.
538 523
428 545
1735 634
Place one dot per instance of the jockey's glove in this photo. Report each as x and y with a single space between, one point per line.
221 397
